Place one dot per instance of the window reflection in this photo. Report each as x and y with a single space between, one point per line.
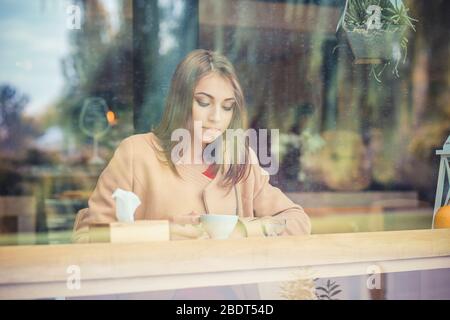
357 154
50 71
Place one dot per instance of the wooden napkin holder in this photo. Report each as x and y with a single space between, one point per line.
130 232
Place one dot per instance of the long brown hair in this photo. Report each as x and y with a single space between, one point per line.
178 108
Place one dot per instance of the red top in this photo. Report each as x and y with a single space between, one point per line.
209 172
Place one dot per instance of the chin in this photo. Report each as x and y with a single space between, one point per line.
208 141
211 139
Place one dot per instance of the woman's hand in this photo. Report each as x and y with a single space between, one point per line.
187 227
273 227
260 227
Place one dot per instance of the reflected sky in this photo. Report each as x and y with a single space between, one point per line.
33 39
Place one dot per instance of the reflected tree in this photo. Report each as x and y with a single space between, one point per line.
14 127
163 33
100 65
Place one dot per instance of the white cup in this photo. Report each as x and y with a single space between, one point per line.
219 226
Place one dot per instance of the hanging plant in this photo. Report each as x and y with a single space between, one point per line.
376 31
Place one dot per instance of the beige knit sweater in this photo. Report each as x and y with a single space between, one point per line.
135 167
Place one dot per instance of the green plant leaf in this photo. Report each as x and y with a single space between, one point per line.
335 293
334 287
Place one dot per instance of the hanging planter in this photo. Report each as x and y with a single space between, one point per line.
376 30
374 47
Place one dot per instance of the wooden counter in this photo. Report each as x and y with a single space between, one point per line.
42 271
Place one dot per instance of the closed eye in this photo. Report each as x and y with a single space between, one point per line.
202 103
228 108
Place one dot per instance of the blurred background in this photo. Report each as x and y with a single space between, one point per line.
357 137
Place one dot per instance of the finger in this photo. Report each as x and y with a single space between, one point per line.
192 218
195 217
186 231
186 219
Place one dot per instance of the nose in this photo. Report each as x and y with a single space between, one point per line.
214 115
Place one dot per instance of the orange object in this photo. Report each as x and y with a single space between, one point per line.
111 117
442 218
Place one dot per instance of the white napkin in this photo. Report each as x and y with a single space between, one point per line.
126 204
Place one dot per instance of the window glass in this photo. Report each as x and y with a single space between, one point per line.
359 118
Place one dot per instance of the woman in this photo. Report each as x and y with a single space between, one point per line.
205 95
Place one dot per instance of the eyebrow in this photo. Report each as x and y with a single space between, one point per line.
210 96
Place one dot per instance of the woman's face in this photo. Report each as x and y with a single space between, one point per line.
213 106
